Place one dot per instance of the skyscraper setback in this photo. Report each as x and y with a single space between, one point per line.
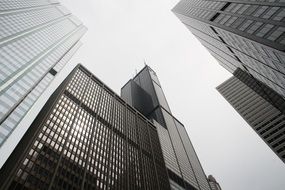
144 92
37 38
87 137
241 34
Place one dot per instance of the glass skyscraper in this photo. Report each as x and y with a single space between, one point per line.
87 137
243 34
144 92
37 38
262 110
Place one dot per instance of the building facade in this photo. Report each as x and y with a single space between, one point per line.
248 35
262 110
37 38
213 183
87 137
144 92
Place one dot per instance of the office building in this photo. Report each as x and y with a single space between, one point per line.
213 183
262 109
37 38
87 137
248 35
144 92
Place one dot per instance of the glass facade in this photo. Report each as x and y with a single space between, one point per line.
87 137
183 166
263 110
249 35
37 38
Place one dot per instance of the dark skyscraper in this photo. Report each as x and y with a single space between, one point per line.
262 109
37 39
87 137
184 169
241 34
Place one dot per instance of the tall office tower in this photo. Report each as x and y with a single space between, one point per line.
213 183
87 137
37 38
264 113
241 34
184 169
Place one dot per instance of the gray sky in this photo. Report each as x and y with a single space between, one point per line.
122 33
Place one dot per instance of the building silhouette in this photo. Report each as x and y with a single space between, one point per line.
144 92
262 110
37 38
248 35
213 183
87 137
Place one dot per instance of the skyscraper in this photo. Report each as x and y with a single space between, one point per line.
262 110
37 38
213 183
241 34
144 92
87 137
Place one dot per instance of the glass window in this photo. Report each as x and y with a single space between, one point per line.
254 27
278 32
245 25
280 15
242 9
264 30
270 12
260 11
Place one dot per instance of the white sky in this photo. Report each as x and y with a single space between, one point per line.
122 33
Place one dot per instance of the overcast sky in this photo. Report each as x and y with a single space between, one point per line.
122 33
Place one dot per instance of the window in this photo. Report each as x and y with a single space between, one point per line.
264 30
280 15
245 25
270 12
254 27
278 32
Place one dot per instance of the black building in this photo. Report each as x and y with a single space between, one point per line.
261 107
86 137
144 92
248 35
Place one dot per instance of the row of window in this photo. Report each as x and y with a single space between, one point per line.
19 4
112 161
259 29
20 53
22 21
269 65
23 85
264 12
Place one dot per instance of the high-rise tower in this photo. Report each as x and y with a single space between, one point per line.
144 92
241 34
263 110
213 183
37 38
87 137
